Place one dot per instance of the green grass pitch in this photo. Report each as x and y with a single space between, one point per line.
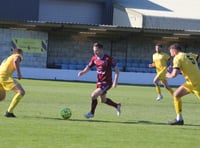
143 123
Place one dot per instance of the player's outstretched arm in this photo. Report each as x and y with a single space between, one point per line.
85 70
173 74
115 82
151 65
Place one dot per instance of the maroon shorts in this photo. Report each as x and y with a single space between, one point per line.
104 86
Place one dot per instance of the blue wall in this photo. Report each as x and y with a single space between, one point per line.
19 9
29 10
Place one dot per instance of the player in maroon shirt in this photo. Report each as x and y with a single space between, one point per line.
104 65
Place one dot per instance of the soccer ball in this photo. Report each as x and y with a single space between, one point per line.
66 113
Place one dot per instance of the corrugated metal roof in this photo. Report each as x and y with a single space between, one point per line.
48 24
98 27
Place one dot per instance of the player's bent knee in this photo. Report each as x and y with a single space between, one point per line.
23 93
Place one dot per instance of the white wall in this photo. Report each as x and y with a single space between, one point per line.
127 17
163 14
71 75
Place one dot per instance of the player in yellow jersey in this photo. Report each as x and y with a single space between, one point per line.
160 60
7 68
187 64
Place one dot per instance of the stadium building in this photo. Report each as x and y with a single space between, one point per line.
56 35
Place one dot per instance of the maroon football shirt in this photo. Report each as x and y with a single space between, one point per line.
104 67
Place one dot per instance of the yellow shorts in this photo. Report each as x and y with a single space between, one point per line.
192 89
7 83
162 75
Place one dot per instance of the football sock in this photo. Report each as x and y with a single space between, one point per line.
93 106
171 91
14 102
110 102
179 117
178 105
158 89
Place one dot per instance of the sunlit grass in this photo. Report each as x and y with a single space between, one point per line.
143 122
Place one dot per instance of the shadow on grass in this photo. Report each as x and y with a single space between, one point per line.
142 122
119 122
42 117
95 120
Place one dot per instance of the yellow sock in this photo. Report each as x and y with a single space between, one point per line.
178 105
171 91
14 102
158 89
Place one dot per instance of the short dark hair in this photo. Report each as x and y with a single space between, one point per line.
17 50
175 46
98 45
159 45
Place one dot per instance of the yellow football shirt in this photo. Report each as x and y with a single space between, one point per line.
187 64
160 62
7 66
